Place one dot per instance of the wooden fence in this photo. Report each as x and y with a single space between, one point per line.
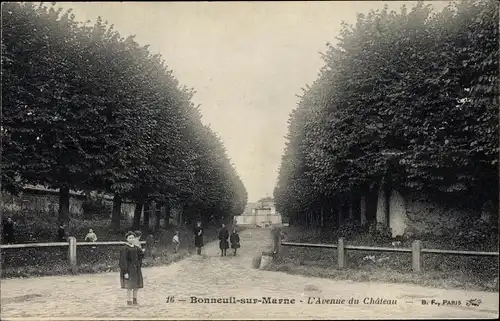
416 251
71 244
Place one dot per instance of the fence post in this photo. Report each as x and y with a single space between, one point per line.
416 260
72 252
341 253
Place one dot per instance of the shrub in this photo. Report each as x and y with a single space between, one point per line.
96 207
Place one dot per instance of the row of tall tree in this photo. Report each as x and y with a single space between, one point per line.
87 109
407 99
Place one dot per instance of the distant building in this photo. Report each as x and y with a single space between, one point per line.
261 214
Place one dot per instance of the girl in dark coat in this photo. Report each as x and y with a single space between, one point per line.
198 237
235 241
223 243
130 268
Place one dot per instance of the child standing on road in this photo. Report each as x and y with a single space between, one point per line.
176 242
223 243
130 268
198 237
235 241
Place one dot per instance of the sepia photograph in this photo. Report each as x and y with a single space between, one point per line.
249 160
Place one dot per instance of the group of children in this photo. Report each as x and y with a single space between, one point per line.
132 254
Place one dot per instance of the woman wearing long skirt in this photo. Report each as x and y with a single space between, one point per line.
198 237
235 241
223 242
130 268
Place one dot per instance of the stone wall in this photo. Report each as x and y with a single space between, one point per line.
434 217
415 215
39 202
47 202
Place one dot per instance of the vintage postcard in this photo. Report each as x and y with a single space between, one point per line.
298 160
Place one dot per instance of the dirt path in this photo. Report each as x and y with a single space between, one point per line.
210 276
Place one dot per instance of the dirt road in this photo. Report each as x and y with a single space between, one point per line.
244 293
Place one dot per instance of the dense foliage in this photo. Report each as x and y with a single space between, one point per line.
86 109
416 91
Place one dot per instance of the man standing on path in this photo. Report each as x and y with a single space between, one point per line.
198 237
8 231
61 233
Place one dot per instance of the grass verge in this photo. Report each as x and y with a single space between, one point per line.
31 262
439 271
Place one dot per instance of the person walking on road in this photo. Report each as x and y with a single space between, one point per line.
198 237
130 268
235 241
223 240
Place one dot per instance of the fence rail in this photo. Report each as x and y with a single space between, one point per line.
71 244
323 246
416 250
28 245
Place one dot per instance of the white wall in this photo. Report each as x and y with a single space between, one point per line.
260 219
397 214
245 220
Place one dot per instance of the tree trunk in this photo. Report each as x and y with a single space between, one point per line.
147 212
137 215
340 214
180 215
158 216
356 209
116 212
166 218
388 192
362 210
350 212
371 204
64 204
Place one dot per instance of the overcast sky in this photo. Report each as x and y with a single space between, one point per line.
246 60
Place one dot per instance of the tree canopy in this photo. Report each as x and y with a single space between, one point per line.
414 90
87 109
